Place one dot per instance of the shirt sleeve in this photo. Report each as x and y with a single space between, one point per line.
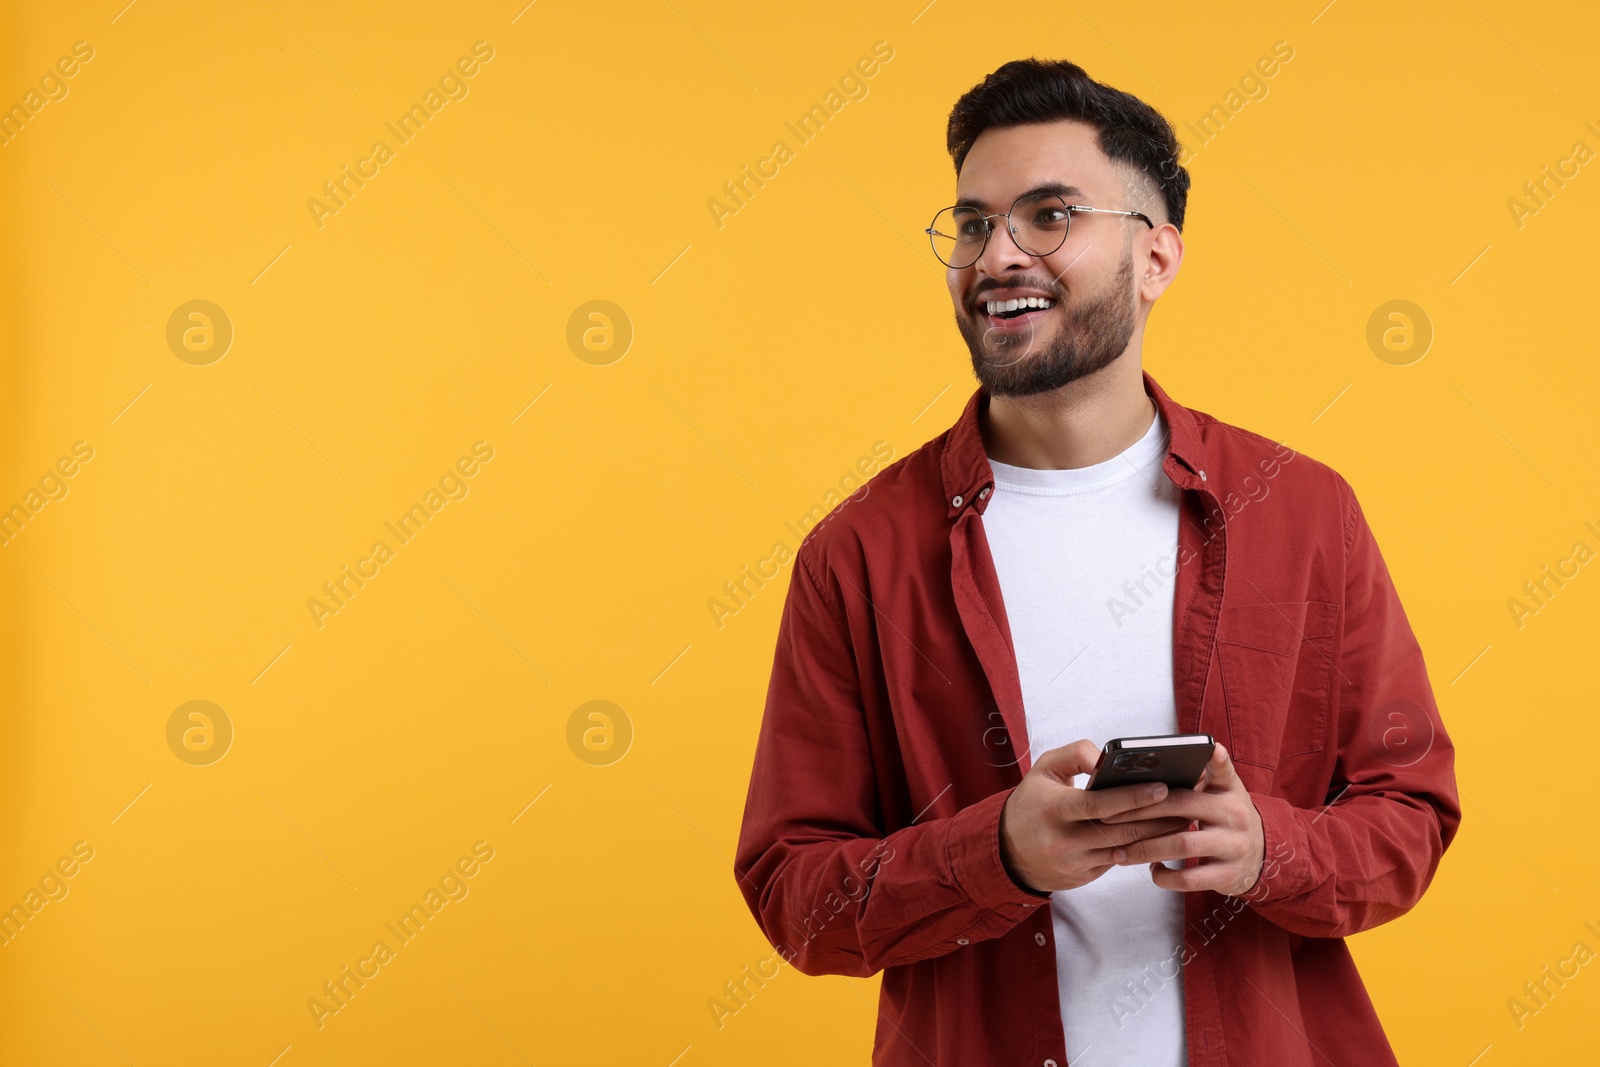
1367 855
830 890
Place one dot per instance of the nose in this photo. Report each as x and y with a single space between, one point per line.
1001 252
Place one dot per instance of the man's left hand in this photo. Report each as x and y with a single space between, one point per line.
1224 834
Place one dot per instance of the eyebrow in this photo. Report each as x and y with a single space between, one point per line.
1068 192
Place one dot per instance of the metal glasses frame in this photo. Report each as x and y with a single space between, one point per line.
988 227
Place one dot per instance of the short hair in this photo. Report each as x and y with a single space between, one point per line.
1130 131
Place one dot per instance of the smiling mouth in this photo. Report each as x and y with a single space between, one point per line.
1006 315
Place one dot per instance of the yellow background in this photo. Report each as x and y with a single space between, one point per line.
768 356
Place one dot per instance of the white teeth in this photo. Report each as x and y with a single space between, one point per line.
996 307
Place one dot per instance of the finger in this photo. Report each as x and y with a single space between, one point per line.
1102 864
1220 877
1220 771
1095 837
1124 833
1064 762
1183 803
1200 844
1083 804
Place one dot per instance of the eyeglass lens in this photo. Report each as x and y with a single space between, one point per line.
1039 225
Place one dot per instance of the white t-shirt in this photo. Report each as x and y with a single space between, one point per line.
1086 560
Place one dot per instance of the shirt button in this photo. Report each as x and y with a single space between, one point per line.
1202 476
962 941
956 503
1038 938
1049 1063
983 494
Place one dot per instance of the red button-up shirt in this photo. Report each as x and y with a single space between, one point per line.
894 732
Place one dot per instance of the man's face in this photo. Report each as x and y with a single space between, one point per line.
1089 279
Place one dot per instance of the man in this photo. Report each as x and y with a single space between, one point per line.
1081 557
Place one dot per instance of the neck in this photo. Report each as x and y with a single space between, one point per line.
1085 422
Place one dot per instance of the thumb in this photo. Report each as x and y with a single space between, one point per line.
1066 761
1220 773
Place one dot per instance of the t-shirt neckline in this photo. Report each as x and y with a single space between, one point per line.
1062 482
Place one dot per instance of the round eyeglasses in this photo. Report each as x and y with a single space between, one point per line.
1038 223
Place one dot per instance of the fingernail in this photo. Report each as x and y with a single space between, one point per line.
1158 791
1122 857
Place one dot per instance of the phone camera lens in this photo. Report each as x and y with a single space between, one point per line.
1148 761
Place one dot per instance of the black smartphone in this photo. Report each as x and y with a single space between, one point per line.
1176 759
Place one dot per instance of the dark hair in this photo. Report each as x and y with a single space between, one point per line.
1130 131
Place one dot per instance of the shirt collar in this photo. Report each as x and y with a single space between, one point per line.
969 480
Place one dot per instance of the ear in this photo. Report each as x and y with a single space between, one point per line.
1161 262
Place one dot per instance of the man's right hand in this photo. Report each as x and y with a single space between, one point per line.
1050 836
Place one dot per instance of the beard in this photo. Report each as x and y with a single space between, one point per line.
1092 335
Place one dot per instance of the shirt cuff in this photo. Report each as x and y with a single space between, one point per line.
1285 863
974 853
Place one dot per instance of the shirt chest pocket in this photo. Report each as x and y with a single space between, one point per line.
1277 667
